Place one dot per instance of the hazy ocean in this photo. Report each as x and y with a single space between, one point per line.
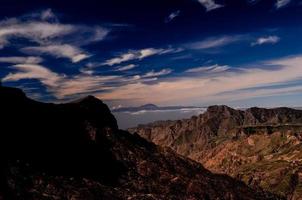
131 119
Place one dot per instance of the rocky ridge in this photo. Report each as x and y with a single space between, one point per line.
261 147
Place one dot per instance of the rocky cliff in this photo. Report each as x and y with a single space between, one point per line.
260 146
76 151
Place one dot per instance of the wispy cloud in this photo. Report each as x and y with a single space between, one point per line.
86 71
218 88
138 55
126 67
232 84
40 32
182 57
266 40
20 60
172 16
215 42
210 4
209 69
63 86
48 15
49 36
253 1
75 54
156 74
60 85
44 31
43 15
279 3
32 71
282 3
83 84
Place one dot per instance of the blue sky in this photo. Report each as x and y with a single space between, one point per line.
167 52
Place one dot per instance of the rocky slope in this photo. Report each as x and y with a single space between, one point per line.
260 146
75 151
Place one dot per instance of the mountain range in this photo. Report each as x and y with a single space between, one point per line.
76 151
152 107
261 147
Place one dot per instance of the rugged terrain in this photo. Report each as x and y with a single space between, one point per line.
75 151
261 147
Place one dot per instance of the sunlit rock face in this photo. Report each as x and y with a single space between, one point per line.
76 151
261 147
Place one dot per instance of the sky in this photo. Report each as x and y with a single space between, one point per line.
167 52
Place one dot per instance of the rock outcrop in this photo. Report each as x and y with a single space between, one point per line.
260 146
76 151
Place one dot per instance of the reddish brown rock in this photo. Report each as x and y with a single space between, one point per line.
254 145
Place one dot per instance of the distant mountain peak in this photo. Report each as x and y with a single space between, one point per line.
153 107
149 106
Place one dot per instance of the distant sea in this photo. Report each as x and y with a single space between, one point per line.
132 119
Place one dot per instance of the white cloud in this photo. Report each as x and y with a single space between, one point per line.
266 40
282 3
40 32
48 15
126 67
172 16
159 73
122 58
32 71
209 69
260 80
242 83
60 85
82 84
215 42
86 71
60 51
99 33
210 4
138 55
44 29
20 60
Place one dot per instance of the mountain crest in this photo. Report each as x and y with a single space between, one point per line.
260 146
220 109
90 99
